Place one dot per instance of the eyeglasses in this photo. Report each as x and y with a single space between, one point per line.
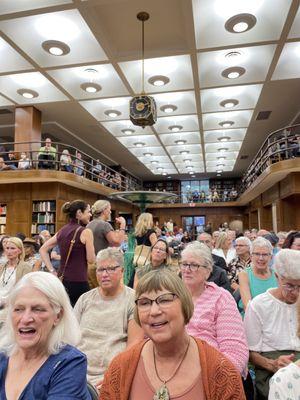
240 245
108 270
159 249
163 301
191 266
261 255
291 288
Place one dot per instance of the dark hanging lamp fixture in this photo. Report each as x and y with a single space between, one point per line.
142 108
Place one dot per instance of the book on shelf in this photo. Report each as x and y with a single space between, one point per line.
2 229
2 220
37 228
44 206
2 209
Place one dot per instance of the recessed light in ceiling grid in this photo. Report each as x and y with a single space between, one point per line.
159 80
224 138
159 169
180 142
154 162
169 108
226 124
164 173
90 87
233 72
175 128
27 93
240 23
112 113
184 152
148 154
139 144
128 131
229 103
223 149
56 47
219 171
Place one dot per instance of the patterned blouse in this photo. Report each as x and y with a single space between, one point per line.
235 267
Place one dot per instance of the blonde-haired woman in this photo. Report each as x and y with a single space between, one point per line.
12 271
224 247
144 232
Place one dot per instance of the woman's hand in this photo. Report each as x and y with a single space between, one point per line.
283 361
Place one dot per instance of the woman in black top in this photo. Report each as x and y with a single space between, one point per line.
144 232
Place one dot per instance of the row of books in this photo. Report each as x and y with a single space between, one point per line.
46 218
43 206
37 228
2 209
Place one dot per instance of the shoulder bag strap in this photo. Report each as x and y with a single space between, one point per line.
69 252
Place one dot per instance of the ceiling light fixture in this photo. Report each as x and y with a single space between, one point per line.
233 54
56 47
128 131
175 128
169 108
159 80
187 160
226 124
90 87
169 177
221 158
233 72
229 103
223 149
139 144
189 167
224 138
180 141
164 173
154 162
184 152
142 108
219 171
219 174
191 172
193 176
220 165
27 93
160 169
240 23
112 113
147 154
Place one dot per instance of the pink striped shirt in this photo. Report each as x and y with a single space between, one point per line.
217 320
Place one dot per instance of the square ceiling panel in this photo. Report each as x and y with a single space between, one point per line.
230 98
175 103
174 124
295 29
210 17
289 61
222 148
184 137
126 128
12 6
4 102
144 141
108 109
90 81
249 64
10 60
230 119
227 155
165 73
33 83
219 136
65 26
189 158
187 148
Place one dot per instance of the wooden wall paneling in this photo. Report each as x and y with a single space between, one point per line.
266 221
271 195
253 220
27 129
256 203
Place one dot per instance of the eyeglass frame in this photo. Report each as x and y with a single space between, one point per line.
191 266
151 301
260 255
108 270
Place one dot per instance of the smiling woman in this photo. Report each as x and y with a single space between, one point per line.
170 364
37 357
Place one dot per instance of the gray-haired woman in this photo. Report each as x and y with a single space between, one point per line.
37 357
271 322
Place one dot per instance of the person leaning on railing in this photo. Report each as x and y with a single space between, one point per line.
47 155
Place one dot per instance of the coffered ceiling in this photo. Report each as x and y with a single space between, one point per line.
211 66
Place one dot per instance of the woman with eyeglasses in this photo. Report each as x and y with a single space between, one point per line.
292 241
169 364
257 278
271 323
159 258
216 318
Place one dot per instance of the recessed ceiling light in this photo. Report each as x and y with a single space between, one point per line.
221 158
159 169
224 138
233 54
56 47
158 80
233 72
184 152
219 171
191 172
139 144
180 141
193 176
90 87
112 113
187 160
168 108
229 103
220 165
226 124
128 131
147 154
164 173
189 167
223 149
169 177
175 128
218 174
27 93
154 162
240 23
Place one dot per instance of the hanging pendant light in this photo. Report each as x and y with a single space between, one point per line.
142 108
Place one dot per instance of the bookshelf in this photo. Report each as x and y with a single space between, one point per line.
43 216
2 218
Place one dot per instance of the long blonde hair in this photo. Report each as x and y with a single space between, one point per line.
144 222
19 244
221 240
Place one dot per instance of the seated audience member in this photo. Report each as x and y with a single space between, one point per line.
47 155
78 164
207 239
281 236
3 153
216 318
55 257
97 168
271 322
4 166
253 234
32 256
243 248
292 241
146 371
105 315
12 160
45 235
66 161
223 247
24 162
186 238
257 278
37 357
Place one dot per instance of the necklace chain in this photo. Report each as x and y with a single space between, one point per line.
5 282
176 369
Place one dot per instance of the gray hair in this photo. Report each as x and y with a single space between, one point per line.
199 250
113 253
262 242
66 331
286 263
246 240
99 206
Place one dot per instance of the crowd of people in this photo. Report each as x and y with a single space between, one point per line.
218 320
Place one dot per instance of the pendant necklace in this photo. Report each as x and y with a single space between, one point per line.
162 393
5 281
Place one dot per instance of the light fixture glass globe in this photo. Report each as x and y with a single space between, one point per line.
233 75
27 95
240 27
55 51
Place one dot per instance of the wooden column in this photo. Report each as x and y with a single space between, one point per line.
27 129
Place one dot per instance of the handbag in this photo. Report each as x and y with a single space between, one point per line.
141 255
63 270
